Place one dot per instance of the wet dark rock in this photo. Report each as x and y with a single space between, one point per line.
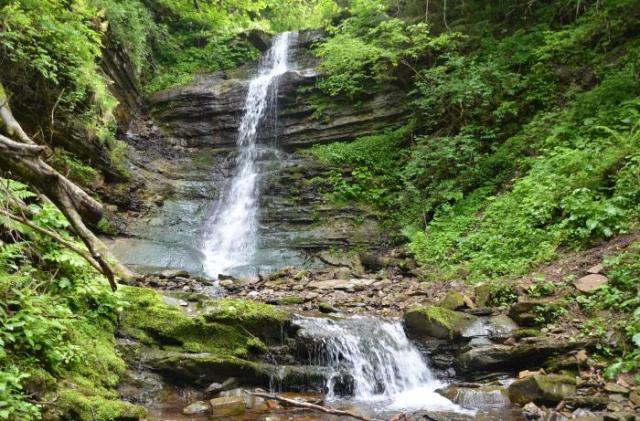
203 369
542 389
526 353
215 388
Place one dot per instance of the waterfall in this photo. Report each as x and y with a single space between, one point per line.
379 362
231 236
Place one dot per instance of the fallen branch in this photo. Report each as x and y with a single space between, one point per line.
314 407
54 236
20 157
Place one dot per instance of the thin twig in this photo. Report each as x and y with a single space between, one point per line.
311 406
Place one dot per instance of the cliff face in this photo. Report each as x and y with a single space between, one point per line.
206 113
125 84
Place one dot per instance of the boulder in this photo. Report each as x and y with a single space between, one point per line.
452 301
590 283
327 308
205 368
525 354
215 388
524 312
596 269
342 284
227 406
173 273
199 407
482 294
542 389
501 327
485 397
437 322
262 320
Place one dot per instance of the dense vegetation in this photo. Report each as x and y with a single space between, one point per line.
522 142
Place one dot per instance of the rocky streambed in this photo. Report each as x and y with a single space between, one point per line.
486 361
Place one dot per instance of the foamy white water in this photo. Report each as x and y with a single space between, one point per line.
385 368
231 236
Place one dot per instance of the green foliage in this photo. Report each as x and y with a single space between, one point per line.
520 143
178 64
621 295
57 317
548 313
501 294
365 167
541 288
132 28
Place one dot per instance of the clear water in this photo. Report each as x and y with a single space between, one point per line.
232 231
387 370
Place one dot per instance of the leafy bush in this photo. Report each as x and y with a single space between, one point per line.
57 318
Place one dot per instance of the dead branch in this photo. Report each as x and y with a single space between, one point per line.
13 128
311 406
54 236
23 159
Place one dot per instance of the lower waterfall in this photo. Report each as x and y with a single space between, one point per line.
371 360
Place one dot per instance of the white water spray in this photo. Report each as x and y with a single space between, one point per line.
382 365
231 237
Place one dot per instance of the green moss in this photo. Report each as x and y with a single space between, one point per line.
262 320
437 321
290 301
228 327
452 300
78 406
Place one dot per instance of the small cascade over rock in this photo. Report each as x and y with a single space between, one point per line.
231 237
371 360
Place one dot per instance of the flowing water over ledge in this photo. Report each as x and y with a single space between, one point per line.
369 366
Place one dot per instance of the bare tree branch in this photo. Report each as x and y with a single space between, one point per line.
23 159
311 406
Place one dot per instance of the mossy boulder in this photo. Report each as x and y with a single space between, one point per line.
73 404
542 389
204 368
482 294
153 322
267 322
452 301
437 322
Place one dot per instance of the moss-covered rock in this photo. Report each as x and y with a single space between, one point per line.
227 327
437 322
452 301
205 368
542 389
482 294
265 321
76 405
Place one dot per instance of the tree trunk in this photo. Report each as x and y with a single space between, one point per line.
21 158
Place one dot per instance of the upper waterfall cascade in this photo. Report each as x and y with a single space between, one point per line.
232 233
